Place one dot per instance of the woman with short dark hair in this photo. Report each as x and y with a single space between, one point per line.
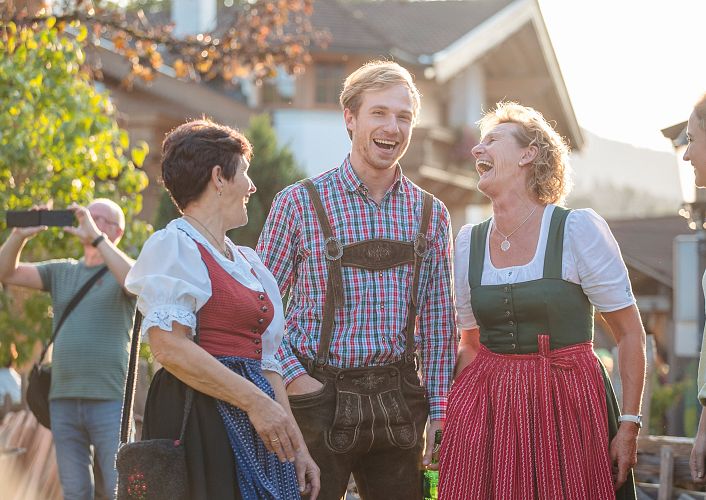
241 440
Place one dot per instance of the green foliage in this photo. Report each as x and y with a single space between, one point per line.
166 211
272 169
59 143
257 37
664 397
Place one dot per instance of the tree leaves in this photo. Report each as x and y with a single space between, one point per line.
59 143
262 36
272 168
139 153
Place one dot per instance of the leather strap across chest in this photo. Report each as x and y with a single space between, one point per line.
373 255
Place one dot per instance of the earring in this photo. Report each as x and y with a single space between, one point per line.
220 193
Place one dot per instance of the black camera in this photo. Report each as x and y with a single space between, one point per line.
30 218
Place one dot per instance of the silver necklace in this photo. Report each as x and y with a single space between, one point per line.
225 250
505 244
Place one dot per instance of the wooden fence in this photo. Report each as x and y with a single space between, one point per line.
663 468
28 468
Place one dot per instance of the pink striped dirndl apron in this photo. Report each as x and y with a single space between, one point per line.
528 426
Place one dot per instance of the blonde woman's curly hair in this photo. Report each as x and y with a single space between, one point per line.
550 180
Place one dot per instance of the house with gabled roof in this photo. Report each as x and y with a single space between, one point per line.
465 55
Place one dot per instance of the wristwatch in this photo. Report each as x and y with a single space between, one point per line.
635 419
98 240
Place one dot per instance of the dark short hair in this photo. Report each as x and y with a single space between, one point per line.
189 153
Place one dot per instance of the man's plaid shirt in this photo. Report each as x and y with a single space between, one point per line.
369 329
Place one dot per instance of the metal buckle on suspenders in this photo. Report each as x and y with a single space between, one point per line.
338 248
421 245
412 358
311 364
318 363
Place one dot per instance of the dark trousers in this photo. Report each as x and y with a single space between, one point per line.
369 422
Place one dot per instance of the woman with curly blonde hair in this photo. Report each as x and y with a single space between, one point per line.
532 413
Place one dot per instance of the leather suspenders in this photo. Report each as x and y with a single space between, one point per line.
374 255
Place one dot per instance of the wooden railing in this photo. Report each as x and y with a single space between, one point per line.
663 467
28 467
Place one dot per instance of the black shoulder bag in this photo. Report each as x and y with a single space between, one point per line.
154 468
40 377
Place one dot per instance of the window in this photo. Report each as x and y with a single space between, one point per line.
329 82
280 89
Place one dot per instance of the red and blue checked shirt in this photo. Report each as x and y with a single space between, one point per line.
369 330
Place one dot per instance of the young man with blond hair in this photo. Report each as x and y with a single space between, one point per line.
365 256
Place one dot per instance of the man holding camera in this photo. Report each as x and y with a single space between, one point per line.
90 356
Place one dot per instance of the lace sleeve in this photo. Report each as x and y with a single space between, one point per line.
170 280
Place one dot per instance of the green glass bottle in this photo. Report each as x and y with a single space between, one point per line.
431 477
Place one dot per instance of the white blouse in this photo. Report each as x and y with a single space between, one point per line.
591 258
172 283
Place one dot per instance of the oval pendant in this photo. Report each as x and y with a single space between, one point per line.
505 246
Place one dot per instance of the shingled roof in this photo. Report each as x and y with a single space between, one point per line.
414 28
647 244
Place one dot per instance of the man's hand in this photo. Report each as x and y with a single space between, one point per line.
623 452
86 231
304 384
26 233
432 427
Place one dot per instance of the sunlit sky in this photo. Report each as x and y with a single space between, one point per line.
632 67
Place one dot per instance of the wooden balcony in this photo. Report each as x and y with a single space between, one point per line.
438 161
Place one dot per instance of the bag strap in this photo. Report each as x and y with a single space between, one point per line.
129 399
71 306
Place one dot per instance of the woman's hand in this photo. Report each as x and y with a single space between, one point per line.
275 427
623 452
308 473
698 456
630 336
468 348
698 452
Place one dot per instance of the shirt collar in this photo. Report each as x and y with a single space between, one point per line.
351 181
